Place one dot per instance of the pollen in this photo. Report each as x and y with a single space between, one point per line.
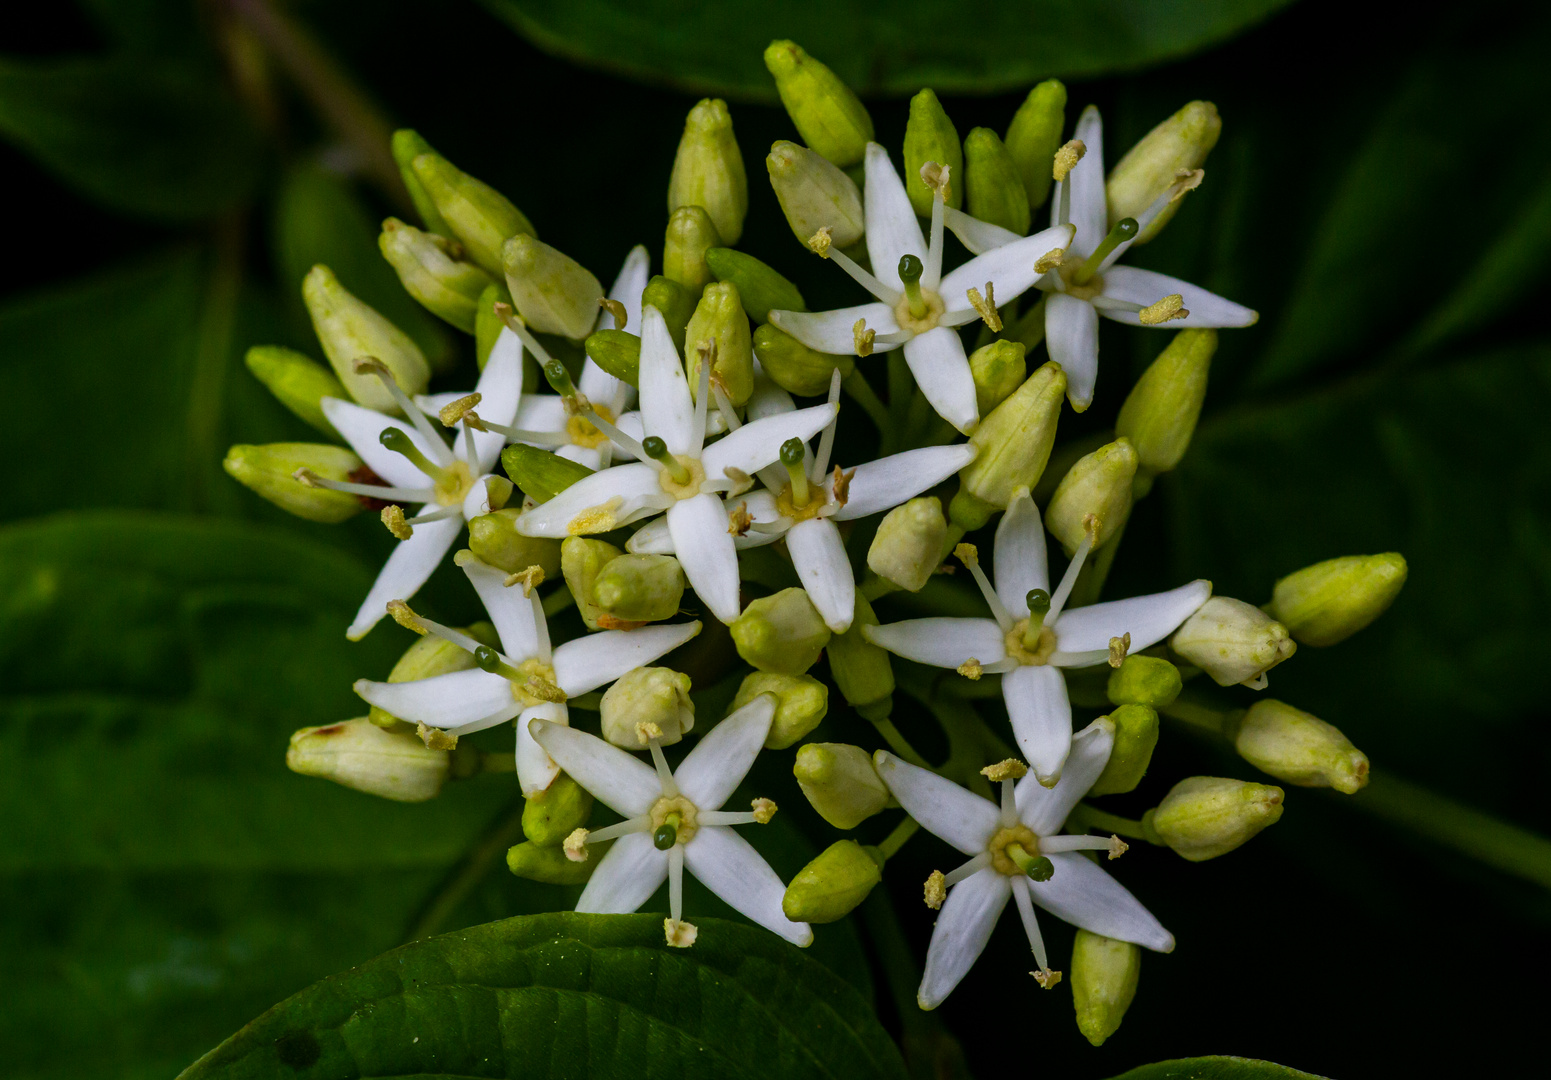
680 934
1170 307
596 519
305 477
1067 158
539 687
1011 769
862 338
1186 180
985 307
841 485
393 519
1049 261
819 242
646 731
1118 647
405 617
450 413
616 309
764 810
435 738
971 669
1046 978
741 481
576 845
739 520
966 554
529 579
370 365
936 890
1117 847
936 177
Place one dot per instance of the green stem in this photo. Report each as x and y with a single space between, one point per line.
1093 818
899 744
556 602
930 1049
1190 709
891 843
212 356
861 392
505 831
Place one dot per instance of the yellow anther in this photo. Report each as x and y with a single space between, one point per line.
936 890
936 177
1091 526
1117 847
966 554
764 810
1170 307
544 690
646 731
616 309
435 738
741 481
405 617
1011 769
508 317
680 934
971 669
1118 647
1047 978
529 579
471 419
739 519
596 519
820 242
370 365
305 477
1067 158
450 413
985 307
842 486
1186 180
576 845
1049 261
862 338
393 518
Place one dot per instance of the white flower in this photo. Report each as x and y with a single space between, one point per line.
1008 848
1029 650
525 678
675 471
674 819
1085 282
922 315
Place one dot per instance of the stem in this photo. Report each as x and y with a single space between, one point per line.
506 831
899 744
207 387
556 602
861 392
1120 826
891 843
1199 714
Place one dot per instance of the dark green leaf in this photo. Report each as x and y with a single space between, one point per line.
1215 1068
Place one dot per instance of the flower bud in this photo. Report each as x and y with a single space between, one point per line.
708 170
1159 415
647 695
675 302
931 136
552 292
429 272
1332 600
617 352
1152 166
1297 747
349 329
479 216
1034 136
541 474
298 382
552 814
841 782
861 670
829 116
760 287
1144 680
830 886
781 633
356 753
691 233
998 369
1104 977
793 366
909 543
550 865
1098 485
639 588
581 561
495 539
1014 442
1207 816
815 194
408 145
430 656
720 326
270 471
487 324
802 702
1233 642
993 186
1136 735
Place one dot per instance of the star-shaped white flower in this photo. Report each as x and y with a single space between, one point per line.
924 312
1030 649
525 678
1016 850
673 820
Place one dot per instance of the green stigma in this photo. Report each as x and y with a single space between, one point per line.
792 454
559 379
666 834
910 271
1125 229
399 442
656 449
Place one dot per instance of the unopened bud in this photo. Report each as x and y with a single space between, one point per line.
829 116
645 696
1152 166
1159 415
675 302
552 292
691 233
931 136
1104 977
349 329
708 170
861 670
831 886
479 216
1233 642
998 369
760 287
617 352
1014 441
1298 747
1207 816
801 700
639 588
488 324
781 633
408 145
541 474
428 271
298 382
841 782
909 543
1034 135
1332 600
550 815
720 328
815 194
550 865
495 539
1144 680
360 755
581 561
270 471
993 186
793 366
1098 485
429 656
1136 736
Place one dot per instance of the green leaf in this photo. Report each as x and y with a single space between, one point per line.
878 49
1215 1068
570 995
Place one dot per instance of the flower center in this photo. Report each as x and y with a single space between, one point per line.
681 475
920 308
583 432
1015 851
673 821
1019 648
533 681
454 484
1087 289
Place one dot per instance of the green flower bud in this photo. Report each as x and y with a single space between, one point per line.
1144 680
270 471
793 366
1136 735
760 287
495 539
550 865
298 382
830 886
720 325
931 136
829 116
1014 442
617 352
430 272
993 184
408 145
1104 977
1099 484
861 670
781 633
349 329
430 656
478 216
648 695
675 302
541 474
487 324
841 782
815 194
356 753
551 815
1159 415
639 588
581 561
909 543
1233 642
1152 166
691 233
998 369
708 170
1297 747
1034 136
802 703
1332 600
552 292
1207 816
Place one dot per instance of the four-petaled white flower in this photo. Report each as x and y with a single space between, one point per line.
674 820
1029 646
922 309
1008 847
524 678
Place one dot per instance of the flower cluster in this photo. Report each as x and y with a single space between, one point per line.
644 445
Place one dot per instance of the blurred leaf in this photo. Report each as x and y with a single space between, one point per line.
889 49
164 28
570 995
1215 1068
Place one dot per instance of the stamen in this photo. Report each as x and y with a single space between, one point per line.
620 828
537 438
935 176
1124 231
1010 769
411 620
910 271
426 518
453 411
616 309
670 787
702 399
792 453
676 885
840 487
1049 261
1115 846
575 845
739 520
764 810
1066 159
974 866
827 439
1170 307
509 318
862 338
1118 647
936 890
470 451
1090 526
657 450
680 934
725 406
1184 180
435 738
1111 303
970 557
1020 892
972 669
985 307
1047 979
529 579
398 440
616 436
370 365
819 244
370 491
393 520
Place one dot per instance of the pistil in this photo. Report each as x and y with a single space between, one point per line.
792 454
1125 229
398 440
1039 607
910 271
657 450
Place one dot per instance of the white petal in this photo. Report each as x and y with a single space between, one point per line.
1146 287
362 427
1090 209
888 481
625 784
978 236
1045 810
941 641
583 664
633 278
1072 336
444 701
728 865
963 927
536 770
634 483
667 410
944 809
717 765
1021 565
632 870
412 562
832 331
1148 619
588 456
768 399
519 620
819 556
1041 716
540 412
652 538
1010 269
941 370
892 228
706 552
598 386
753 446
1081 893
500 388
